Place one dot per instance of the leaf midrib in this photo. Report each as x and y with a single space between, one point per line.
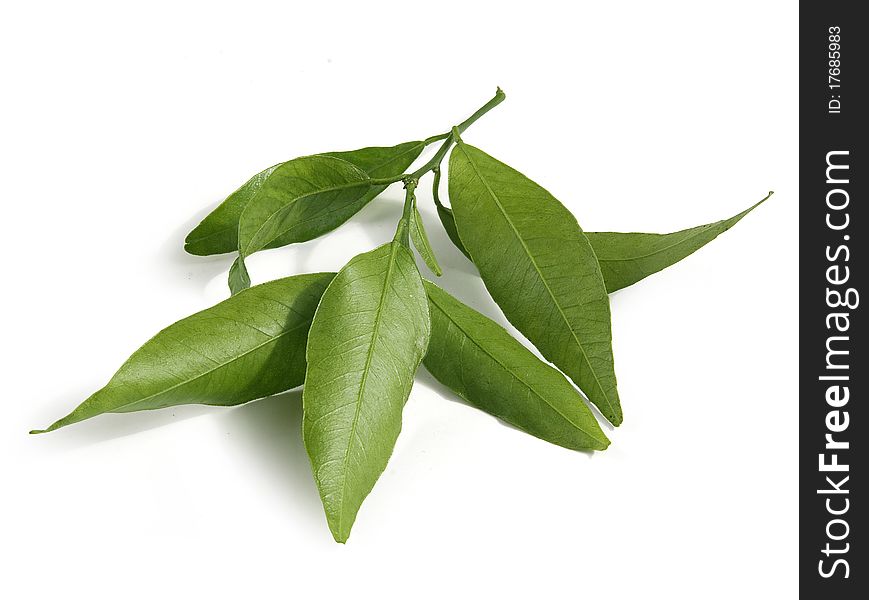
684 240
540 274
728 223
323 214
363 181
381 165
509 370
214 368
365 371
331 155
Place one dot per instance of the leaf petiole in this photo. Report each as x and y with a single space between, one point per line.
435 186
436 160
449 138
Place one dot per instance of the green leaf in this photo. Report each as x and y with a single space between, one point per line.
382 161
421 243
300 199
539 267
368 337
218 232
626 258
239 279
247 347
449 222
482 363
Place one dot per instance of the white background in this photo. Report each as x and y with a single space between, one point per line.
122 126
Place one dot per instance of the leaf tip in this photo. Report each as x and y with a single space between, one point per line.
191 243
340 536
188 246
37 431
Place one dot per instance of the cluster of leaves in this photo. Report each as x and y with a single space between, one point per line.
356 338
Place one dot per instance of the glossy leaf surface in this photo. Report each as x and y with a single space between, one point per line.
482 363
626 258
368 337
301 199
247 347
218 232
539 267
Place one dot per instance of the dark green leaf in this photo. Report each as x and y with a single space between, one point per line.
218 232
421 243
368 337
626 258
247 347
539 267
477 359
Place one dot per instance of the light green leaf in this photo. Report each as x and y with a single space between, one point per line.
482 363
247 347
539 267
421 243
218 232
626 258
368 337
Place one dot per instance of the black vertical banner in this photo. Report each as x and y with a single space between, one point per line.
834 438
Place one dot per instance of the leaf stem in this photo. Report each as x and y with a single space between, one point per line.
449 138
436 186
436 138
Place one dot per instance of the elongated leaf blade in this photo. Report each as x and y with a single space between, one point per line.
421 243
482 363
218 231
539 267
382 161
302 198
299 197
247 347
626 258
368 337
